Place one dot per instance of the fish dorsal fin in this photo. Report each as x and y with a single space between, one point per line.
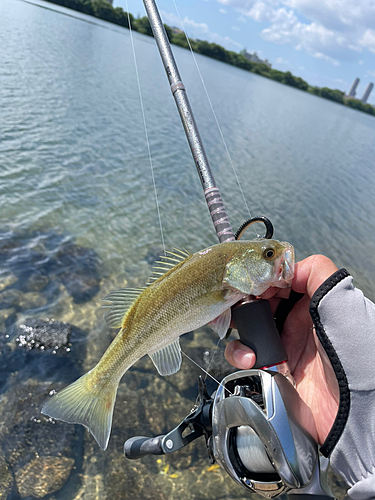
167 262
121 300
221 324
167 360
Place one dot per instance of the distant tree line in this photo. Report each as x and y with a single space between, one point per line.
104 10
339 96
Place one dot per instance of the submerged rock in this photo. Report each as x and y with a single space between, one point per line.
39 334
37 282
43 475
6 479
44 350
39 452
7 280
36 263
7 316
77 268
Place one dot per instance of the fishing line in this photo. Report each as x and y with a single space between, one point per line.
212 357
145 128
204 371
213 111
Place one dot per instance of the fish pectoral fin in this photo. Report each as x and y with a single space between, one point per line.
121 300
221 324
167 360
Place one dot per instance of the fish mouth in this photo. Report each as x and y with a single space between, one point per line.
286 266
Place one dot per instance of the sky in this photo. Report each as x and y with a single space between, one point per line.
326 42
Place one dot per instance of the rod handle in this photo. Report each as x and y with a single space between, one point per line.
140 446
257 330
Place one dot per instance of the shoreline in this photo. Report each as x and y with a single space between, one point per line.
101 9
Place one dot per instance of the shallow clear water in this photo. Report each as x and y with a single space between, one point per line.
76 193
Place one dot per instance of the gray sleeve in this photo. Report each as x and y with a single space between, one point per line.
345 323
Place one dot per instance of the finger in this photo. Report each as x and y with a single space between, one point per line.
282 293
239 355
310 273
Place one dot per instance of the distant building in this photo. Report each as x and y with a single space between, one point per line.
254 58
352 91
367 93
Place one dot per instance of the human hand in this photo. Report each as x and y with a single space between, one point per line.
315 379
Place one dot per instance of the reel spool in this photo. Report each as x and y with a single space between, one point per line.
251 451
256 436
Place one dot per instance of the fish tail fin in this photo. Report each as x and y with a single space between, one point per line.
85 403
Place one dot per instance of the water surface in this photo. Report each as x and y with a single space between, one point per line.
78 217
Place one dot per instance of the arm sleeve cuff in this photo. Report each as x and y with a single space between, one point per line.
345 324
364 489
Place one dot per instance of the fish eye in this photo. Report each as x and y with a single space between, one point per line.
269 253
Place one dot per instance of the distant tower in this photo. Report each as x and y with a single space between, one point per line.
370 86
354 86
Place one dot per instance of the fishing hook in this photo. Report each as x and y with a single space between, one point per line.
249 222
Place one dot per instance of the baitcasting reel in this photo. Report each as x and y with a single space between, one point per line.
251 423
251 429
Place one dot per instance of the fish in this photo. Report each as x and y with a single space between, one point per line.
186 292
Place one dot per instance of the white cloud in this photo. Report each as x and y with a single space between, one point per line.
360 62
331 30
222 11
340 15
319 55
368 40
235 28
195 30
174 20
282 63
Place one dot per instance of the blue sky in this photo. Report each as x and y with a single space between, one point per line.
326 42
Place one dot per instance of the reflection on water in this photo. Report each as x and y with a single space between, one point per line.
78 219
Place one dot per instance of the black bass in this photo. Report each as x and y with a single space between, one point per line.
191 290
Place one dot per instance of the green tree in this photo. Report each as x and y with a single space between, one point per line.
168 31
142 25
333 94
104 10
238 60
180 40
122 17
356 104
301 83
314 90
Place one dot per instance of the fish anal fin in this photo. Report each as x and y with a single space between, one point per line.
122 300
221 324
167 360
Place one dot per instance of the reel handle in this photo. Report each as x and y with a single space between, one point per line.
140 446
257 330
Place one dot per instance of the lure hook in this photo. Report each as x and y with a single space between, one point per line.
249 222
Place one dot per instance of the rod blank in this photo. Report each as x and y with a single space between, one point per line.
214 201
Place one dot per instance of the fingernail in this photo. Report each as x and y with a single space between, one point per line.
243 358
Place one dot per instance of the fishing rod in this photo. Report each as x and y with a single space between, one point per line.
254 433
253 317
211 191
